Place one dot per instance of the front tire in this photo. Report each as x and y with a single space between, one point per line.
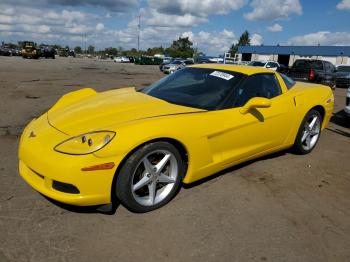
309 133
150 177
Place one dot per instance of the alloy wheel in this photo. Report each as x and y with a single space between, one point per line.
154 177
311 132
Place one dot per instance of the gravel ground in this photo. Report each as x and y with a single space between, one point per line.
279 208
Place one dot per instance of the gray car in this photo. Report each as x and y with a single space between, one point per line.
174 66
342 76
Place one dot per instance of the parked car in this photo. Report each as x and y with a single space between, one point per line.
165 62
266 64
47 52
188 62
167 59
16 52
5 51
174 66
342 76
203 60
347 104
315 71
121 59
131 59
138 147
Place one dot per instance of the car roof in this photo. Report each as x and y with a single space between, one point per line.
247 70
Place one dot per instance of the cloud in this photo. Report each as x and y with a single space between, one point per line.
214 42
201 8
256 39
322 38
343 5
111 5
275 28
151 17
273 9
100 27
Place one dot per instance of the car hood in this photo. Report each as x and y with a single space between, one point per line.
85 110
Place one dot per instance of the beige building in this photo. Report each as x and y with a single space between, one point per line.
286 55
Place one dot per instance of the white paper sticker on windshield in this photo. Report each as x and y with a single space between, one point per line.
222 75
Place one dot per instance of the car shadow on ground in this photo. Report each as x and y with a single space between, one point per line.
341 119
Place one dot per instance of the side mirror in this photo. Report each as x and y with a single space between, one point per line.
255 102
268 66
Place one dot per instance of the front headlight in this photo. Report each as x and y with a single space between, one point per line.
86 143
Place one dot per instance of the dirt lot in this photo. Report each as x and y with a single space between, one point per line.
281 208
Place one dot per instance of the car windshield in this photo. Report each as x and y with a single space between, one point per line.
195 87
343 69
256 63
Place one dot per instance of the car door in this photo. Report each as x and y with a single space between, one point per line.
261 129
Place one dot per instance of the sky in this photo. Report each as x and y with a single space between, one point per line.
212 25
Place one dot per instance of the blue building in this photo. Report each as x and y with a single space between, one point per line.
286 55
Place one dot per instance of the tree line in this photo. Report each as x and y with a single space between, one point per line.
181 47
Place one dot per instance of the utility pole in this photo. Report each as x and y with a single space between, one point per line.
138 32
85 43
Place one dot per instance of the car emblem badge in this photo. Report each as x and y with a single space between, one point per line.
32 134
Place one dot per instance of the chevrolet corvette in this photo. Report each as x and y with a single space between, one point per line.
139 146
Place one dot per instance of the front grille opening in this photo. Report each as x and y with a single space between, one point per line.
64 187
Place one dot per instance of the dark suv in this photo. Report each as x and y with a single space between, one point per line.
316 71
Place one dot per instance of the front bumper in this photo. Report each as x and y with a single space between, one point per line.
43 168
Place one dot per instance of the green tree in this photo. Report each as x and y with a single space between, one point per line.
155 50
91 49
181 48
243 41
77 50
111 51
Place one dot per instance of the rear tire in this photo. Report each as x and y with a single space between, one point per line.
309 133
150 177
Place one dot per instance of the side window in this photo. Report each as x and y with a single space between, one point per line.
260 85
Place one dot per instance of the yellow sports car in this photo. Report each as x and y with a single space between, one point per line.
139 146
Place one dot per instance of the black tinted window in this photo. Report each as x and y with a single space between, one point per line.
261 85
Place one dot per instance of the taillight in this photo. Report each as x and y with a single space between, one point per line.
312 75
